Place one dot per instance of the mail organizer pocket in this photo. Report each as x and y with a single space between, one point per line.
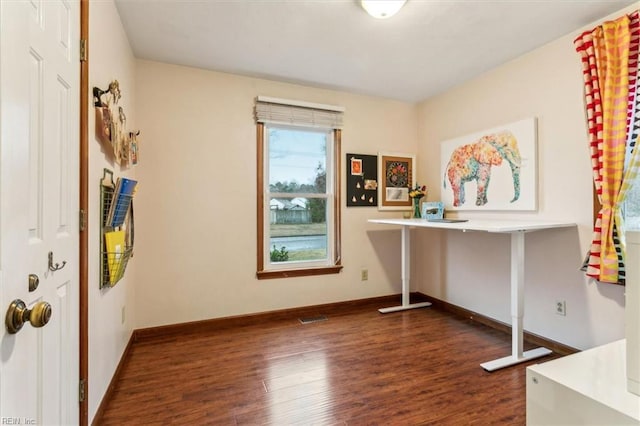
116 227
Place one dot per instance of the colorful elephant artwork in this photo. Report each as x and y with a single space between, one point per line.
473 162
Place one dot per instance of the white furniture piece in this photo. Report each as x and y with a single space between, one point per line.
586 388
632 311
517 229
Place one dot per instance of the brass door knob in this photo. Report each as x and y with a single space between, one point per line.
18 314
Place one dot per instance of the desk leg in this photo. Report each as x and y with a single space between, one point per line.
406 277
517 311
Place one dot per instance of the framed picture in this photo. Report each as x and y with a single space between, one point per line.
432 210
396 173
356 166
362 180
495 169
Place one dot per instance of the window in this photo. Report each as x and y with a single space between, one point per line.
631 209
631 205
298 196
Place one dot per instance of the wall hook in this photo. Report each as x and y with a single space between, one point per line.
55 267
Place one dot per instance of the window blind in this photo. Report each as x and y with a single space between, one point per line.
282 111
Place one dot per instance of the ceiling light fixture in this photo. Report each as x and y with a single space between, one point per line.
382 9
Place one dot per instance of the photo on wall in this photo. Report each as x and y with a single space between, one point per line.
362 180
493 170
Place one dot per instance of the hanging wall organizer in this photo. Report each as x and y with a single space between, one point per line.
116 227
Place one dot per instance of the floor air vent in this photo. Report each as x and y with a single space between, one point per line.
310 320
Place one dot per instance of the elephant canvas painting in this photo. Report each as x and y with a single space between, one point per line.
491 170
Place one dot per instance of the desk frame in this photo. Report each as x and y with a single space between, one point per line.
517 231
406 277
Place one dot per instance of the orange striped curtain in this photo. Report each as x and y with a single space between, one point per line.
609 56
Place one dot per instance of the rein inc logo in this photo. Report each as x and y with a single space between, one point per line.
17 421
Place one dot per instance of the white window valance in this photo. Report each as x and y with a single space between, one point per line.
298 113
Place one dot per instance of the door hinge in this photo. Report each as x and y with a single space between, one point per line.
83 50
81 391
83 220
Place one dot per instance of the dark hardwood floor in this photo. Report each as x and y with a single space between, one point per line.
359 367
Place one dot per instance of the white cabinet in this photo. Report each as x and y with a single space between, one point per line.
586 388
632 311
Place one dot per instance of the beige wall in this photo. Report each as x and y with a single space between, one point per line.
196 206
547 84
110 58
196 228
195 252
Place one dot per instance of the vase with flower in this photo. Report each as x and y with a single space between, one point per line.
416 195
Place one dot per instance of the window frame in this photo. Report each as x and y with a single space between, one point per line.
334 264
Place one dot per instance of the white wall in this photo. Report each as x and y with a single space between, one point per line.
195 252
196 228
196 205
110 58
547 84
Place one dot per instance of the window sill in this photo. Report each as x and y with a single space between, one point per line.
292 273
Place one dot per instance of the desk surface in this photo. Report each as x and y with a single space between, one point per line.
597 373
486 225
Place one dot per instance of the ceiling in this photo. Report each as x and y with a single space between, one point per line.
428 47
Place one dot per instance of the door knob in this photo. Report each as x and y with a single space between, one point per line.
18 314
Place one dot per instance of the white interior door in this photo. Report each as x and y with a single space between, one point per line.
39 131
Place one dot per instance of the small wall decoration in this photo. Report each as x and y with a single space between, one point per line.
362 180
397 174
119 144
491 170
134 146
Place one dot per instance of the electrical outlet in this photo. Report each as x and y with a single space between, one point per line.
561 307
364 274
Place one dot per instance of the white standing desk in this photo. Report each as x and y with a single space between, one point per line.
517 230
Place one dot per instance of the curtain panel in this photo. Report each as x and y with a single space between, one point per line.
609 55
